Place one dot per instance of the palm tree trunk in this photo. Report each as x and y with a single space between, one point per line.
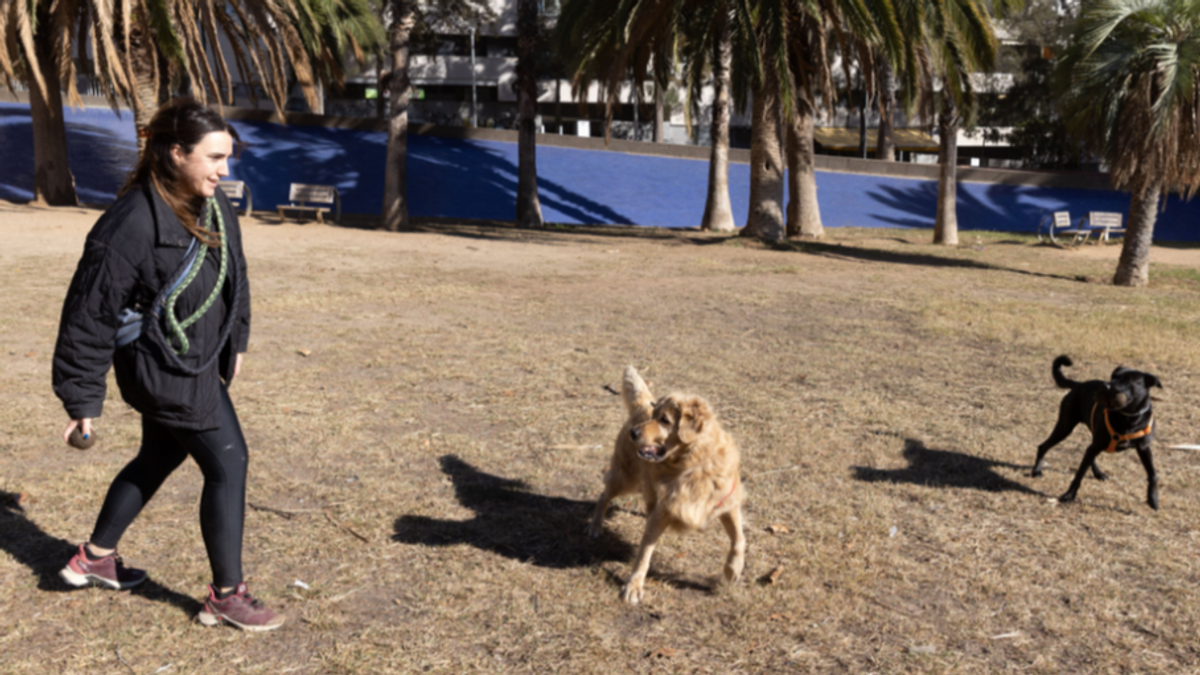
53 183
1133 269
144 57
862 120
765 219
885 147
395 174
529 209
945 228
718 211
658 113
803 211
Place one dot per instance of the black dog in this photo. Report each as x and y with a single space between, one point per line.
1117 412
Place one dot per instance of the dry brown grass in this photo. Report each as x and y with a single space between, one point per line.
451 411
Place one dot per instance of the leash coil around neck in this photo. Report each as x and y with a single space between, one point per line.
160 303
179 342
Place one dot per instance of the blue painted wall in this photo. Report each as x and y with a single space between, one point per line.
477 179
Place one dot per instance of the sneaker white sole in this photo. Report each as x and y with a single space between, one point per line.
209 619
80 580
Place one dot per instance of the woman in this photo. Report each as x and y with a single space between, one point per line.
161 295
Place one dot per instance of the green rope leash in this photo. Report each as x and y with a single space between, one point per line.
179 341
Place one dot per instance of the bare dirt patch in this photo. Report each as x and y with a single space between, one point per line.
428 424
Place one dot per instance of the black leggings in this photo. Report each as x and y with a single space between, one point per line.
221 455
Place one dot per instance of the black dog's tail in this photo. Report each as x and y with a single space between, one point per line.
1060 379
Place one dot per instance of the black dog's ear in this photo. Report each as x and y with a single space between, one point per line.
1151 380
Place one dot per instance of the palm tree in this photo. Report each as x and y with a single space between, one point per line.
529 209
30 52
395 173
711 33
948 40
612 41
794 36
1129 89
855 27
409 20
143 52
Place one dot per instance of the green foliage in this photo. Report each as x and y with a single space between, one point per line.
1039 134
1129 90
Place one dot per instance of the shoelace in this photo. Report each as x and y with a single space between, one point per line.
246 597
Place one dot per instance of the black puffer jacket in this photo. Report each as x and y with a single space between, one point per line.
132 252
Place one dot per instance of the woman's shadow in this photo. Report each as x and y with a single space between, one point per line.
944 468
45 555
514 522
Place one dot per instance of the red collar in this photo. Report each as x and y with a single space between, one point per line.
1113 435
731 491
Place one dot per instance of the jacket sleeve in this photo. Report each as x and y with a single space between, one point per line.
103 283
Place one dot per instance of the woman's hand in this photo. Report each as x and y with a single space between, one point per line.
84 425
237 365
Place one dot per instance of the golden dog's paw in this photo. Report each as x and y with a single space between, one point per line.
593 530
632 593
733 569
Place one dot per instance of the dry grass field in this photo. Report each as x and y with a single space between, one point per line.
428 423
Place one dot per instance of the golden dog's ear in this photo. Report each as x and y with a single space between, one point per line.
694 417
635 392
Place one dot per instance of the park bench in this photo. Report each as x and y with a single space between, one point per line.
1102 223
302 197
1059 220
239 191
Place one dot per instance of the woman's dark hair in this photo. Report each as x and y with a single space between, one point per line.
183 122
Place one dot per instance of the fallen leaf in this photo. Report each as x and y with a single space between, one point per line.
663 653
303 352
782 617
778 528
773 576
31 354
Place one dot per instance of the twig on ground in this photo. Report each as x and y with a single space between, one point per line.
345 528
342 596
281 512
123 661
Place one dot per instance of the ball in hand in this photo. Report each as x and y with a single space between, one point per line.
78 441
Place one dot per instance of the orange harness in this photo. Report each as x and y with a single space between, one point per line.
1113 435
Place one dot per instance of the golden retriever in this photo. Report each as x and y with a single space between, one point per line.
686 467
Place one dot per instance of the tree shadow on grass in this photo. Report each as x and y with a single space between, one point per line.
45 555
945 468
514 522
900 258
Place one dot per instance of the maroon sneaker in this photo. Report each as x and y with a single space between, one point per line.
108 571
239 609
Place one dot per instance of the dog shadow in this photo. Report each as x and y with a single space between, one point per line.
944 468
514 522
45 555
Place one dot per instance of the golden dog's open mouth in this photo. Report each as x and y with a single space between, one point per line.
652 453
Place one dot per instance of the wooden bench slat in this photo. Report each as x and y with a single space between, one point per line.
234 189
323 194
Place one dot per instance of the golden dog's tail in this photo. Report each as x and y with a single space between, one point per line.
635 392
